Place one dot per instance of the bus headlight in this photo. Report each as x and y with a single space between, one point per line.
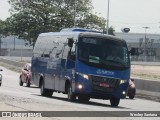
83 75
123 92
123 81
80 86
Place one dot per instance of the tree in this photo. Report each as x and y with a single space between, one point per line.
2 32
32 17
3 26
111 31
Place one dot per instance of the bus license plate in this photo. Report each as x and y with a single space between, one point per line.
103 85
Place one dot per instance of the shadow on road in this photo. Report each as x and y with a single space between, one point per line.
86 103
130 99
31 87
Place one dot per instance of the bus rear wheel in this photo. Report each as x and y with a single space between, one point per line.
114 101
71 95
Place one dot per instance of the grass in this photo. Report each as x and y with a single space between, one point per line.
10 67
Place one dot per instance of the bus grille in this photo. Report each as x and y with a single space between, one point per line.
104 84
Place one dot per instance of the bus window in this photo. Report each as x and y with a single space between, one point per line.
72 53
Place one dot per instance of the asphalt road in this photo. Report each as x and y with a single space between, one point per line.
21 98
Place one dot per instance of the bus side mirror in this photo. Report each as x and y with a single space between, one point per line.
70 42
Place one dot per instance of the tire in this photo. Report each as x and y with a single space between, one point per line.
1 79
71 95
20 81
27 83
131 97
45 92
114 102
49 93
132 93
82 98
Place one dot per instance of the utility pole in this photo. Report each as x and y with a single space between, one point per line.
108 18
145 42
0 45
74 13
14 43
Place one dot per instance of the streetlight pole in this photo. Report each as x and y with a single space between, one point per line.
14 43
74 13
145 38
108 18
21 50
0 44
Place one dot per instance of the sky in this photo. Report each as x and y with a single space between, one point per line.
133 14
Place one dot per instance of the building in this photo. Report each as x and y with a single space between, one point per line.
12 46
143 47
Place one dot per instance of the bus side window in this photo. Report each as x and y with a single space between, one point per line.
45 55
58 53
72 53
52 52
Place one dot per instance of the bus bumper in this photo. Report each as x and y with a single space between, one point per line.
118 92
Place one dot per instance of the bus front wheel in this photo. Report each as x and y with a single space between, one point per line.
114 102
71 95
83 98
45 92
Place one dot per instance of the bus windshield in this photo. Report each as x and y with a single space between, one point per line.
103 53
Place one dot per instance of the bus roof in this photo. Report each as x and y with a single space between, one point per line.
80 31
69 31
89 34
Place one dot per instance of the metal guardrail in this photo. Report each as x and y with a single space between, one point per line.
148 87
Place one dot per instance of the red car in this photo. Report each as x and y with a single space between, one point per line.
25 75
131 89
